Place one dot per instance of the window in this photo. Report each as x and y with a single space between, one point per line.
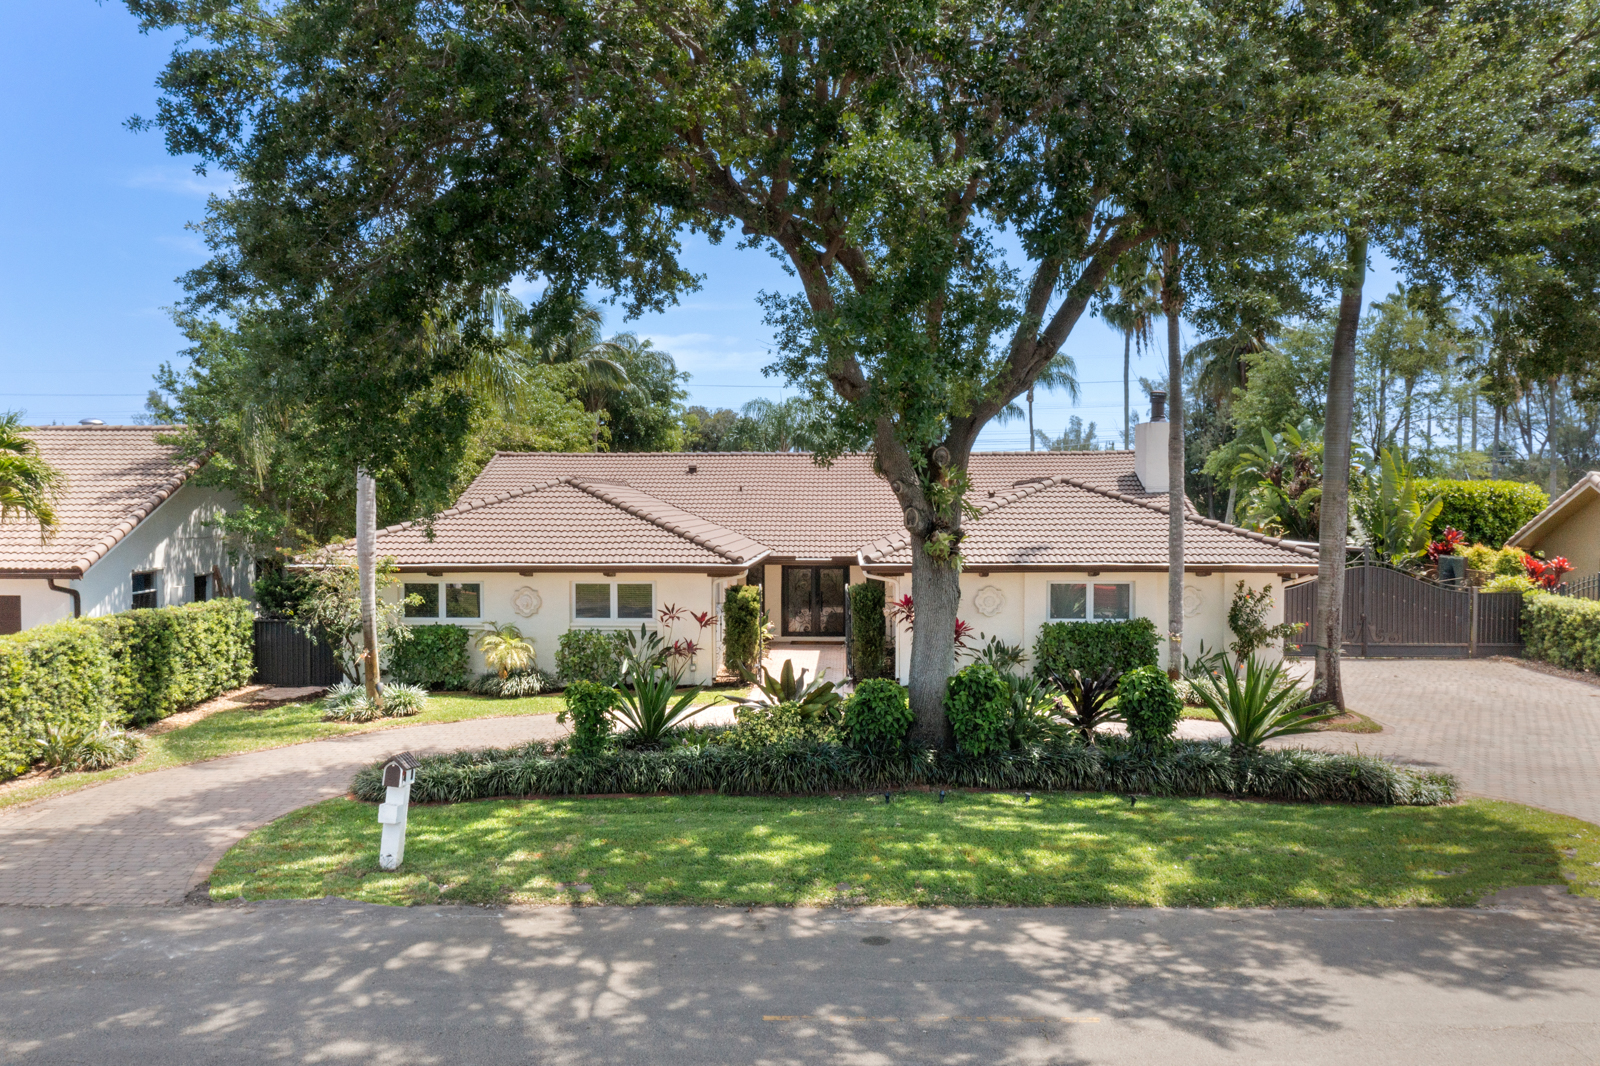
463 600
813 601
605 600
144 590
10 615
201 583
427 605
1100 602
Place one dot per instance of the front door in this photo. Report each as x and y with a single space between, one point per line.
813 601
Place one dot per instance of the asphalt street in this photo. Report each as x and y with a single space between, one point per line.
335 982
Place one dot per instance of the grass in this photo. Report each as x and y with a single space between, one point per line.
254 729
976 848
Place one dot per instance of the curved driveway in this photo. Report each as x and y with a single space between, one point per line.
1506 731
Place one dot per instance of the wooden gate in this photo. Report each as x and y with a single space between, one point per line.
287 657
1389 613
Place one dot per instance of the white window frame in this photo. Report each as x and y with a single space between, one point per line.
612 621
444 607
438 599
1088 600
154 574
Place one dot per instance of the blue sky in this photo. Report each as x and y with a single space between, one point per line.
93 217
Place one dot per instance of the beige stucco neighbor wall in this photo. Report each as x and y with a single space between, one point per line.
1575 536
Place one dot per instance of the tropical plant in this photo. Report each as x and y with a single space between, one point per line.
588 707
1280 483
978 705
643 652
648 708
504 648
1264 705
63 748
29 486
1546 573
877 715
817 694
1396 522
597 364
1086 660
1131 305
1247 618
403 701
1150 706
1006 658
347 702
1035 712
1446 544
1205 663
516 685
331 610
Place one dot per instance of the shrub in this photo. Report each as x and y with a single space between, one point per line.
878 715
590 655
868 630
166 659
742 625
505 648
1150 705
1188 768
1485 511
1266 704
1086 660
1563 630
435 657
403 701
588 708
51 677
1509 583
816 695
66 749
977 701
1247 619
764 725
518 684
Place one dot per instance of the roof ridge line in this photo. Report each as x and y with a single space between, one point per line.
486 501
676 530
97 551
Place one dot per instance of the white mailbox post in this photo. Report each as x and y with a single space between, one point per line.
398 773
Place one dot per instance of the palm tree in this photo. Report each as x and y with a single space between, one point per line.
1136 283
29 486
794 424
599 373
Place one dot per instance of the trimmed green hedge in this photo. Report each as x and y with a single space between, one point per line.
1563 630
741 629
1486 511
590 655
1188 768
868 630
977 701
435 657
128 669
1095 649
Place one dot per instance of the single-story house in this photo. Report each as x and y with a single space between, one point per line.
1569 527
133 530
553 541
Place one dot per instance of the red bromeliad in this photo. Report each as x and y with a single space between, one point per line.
902 612
963 631
1547 573
1446 545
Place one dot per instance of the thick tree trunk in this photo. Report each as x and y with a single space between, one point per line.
1328 622
1172 304
937 590
367 562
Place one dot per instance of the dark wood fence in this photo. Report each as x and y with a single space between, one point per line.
1389 613
285 656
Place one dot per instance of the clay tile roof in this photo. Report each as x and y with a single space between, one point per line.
566 522
1062 521
115 477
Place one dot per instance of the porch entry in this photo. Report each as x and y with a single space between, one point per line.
813 601
1389 613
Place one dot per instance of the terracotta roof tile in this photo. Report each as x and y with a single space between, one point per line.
115 477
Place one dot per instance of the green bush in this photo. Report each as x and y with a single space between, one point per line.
977 701
435 657
741 629
1150 706
868 630
1188 768
878 715
763 725
589 710
1509 583
1563 630
591 655
1485 511
1095 648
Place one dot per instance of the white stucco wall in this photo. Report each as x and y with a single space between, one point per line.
177 541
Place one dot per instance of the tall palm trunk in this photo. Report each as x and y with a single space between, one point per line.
1127 412
1328 623
1030 418
366 564
1171 305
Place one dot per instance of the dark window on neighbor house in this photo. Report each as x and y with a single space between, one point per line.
10 615
813 601
463 600
427 602
202 584
144 590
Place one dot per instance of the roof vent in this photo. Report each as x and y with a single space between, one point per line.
90 422
693 468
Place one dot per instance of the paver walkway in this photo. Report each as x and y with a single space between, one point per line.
1506 731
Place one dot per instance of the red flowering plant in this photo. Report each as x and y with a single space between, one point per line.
902 612
964 633
1446 545
1546 573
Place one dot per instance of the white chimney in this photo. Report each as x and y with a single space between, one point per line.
1150 446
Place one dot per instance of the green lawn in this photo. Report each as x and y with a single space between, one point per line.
976 848
234 732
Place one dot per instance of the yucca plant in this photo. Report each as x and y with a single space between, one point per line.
647 706
504 648
1264 705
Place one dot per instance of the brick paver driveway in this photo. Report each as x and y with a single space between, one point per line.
1504 730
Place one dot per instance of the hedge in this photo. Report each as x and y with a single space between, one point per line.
590 655
741 628
1095 649
128 669
1486 511
435 657
1187 768
1563 630
868 630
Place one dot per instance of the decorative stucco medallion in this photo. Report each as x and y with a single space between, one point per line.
1192 601
989 601
526 601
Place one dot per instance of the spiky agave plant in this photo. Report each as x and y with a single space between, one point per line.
1261 707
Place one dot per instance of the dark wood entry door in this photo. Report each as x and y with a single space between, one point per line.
813 601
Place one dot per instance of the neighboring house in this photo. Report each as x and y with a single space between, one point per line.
1569 527
133 531
552 541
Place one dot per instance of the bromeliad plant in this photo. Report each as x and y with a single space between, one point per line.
816 696
1546 573
1266 704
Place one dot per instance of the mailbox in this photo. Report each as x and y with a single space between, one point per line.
398 774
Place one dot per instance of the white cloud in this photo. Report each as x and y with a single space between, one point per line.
181 181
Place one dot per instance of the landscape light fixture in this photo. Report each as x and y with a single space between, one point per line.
888 797
941 795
